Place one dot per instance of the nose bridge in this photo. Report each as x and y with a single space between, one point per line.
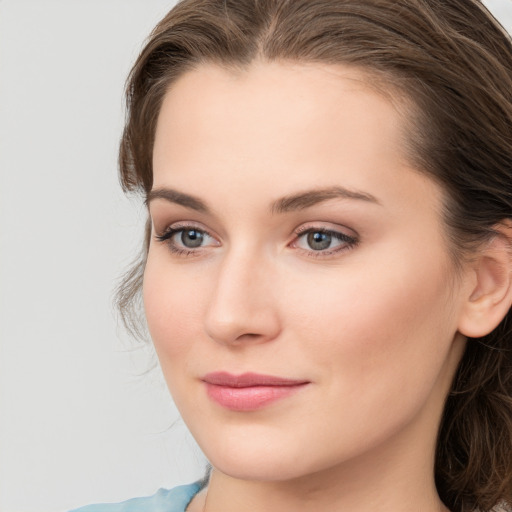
242 305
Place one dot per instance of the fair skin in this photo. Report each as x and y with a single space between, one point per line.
370 321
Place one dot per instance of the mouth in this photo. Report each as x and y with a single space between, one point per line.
249 391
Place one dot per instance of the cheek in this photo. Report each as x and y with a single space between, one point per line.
376 342
172 307
381 326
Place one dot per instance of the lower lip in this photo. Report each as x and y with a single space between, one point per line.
250 398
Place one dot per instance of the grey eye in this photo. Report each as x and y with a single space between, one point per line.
192 238
319 241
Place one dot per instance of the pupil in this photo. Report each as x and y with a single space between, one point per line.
319 241
191 238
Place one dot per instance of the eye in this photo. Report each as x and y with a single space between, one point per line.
186 239
319 241
323 241
191 238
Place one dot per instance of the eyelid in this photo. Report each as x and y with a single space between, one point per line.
325 226
182 225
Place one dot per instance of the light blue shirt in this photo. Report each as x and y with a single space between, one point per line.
165 500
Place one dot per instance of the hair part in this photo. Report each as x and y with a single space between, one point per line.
449 62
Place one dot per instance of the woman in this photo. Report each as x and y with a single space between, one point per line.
327 268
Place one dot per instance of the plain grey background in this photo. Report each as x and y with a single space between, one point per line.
80 421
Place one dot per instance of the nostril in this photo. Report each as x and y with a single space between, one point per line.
249 335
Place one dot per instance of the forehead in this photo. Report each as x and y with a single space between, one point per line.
275 89
274 116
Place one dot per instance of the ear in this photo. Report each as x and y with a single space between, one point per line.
489 295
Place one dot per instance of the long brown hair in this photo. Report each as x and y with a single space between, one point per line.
451 61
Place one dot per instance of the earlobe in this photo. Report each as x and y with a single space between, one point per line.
490 297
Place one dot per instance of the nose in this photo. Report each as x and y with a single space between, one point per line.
242 308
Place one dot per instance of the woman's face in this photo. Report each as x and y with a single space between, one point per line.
298 287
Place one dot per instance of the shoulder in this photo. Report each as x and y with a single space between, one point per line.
165 500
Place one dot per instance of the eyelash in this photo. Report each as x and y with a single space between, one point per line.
349 241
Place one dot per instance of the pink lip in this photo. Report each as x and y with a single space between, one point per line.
249 391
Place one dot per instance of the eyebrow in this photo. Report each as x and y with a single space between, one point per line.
290 203
309 198
173 196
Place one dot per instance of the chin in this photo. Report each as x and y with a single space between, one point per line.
258 468
266 456
254 457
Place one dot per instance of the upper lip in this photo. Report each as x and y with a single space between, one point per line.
246 380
